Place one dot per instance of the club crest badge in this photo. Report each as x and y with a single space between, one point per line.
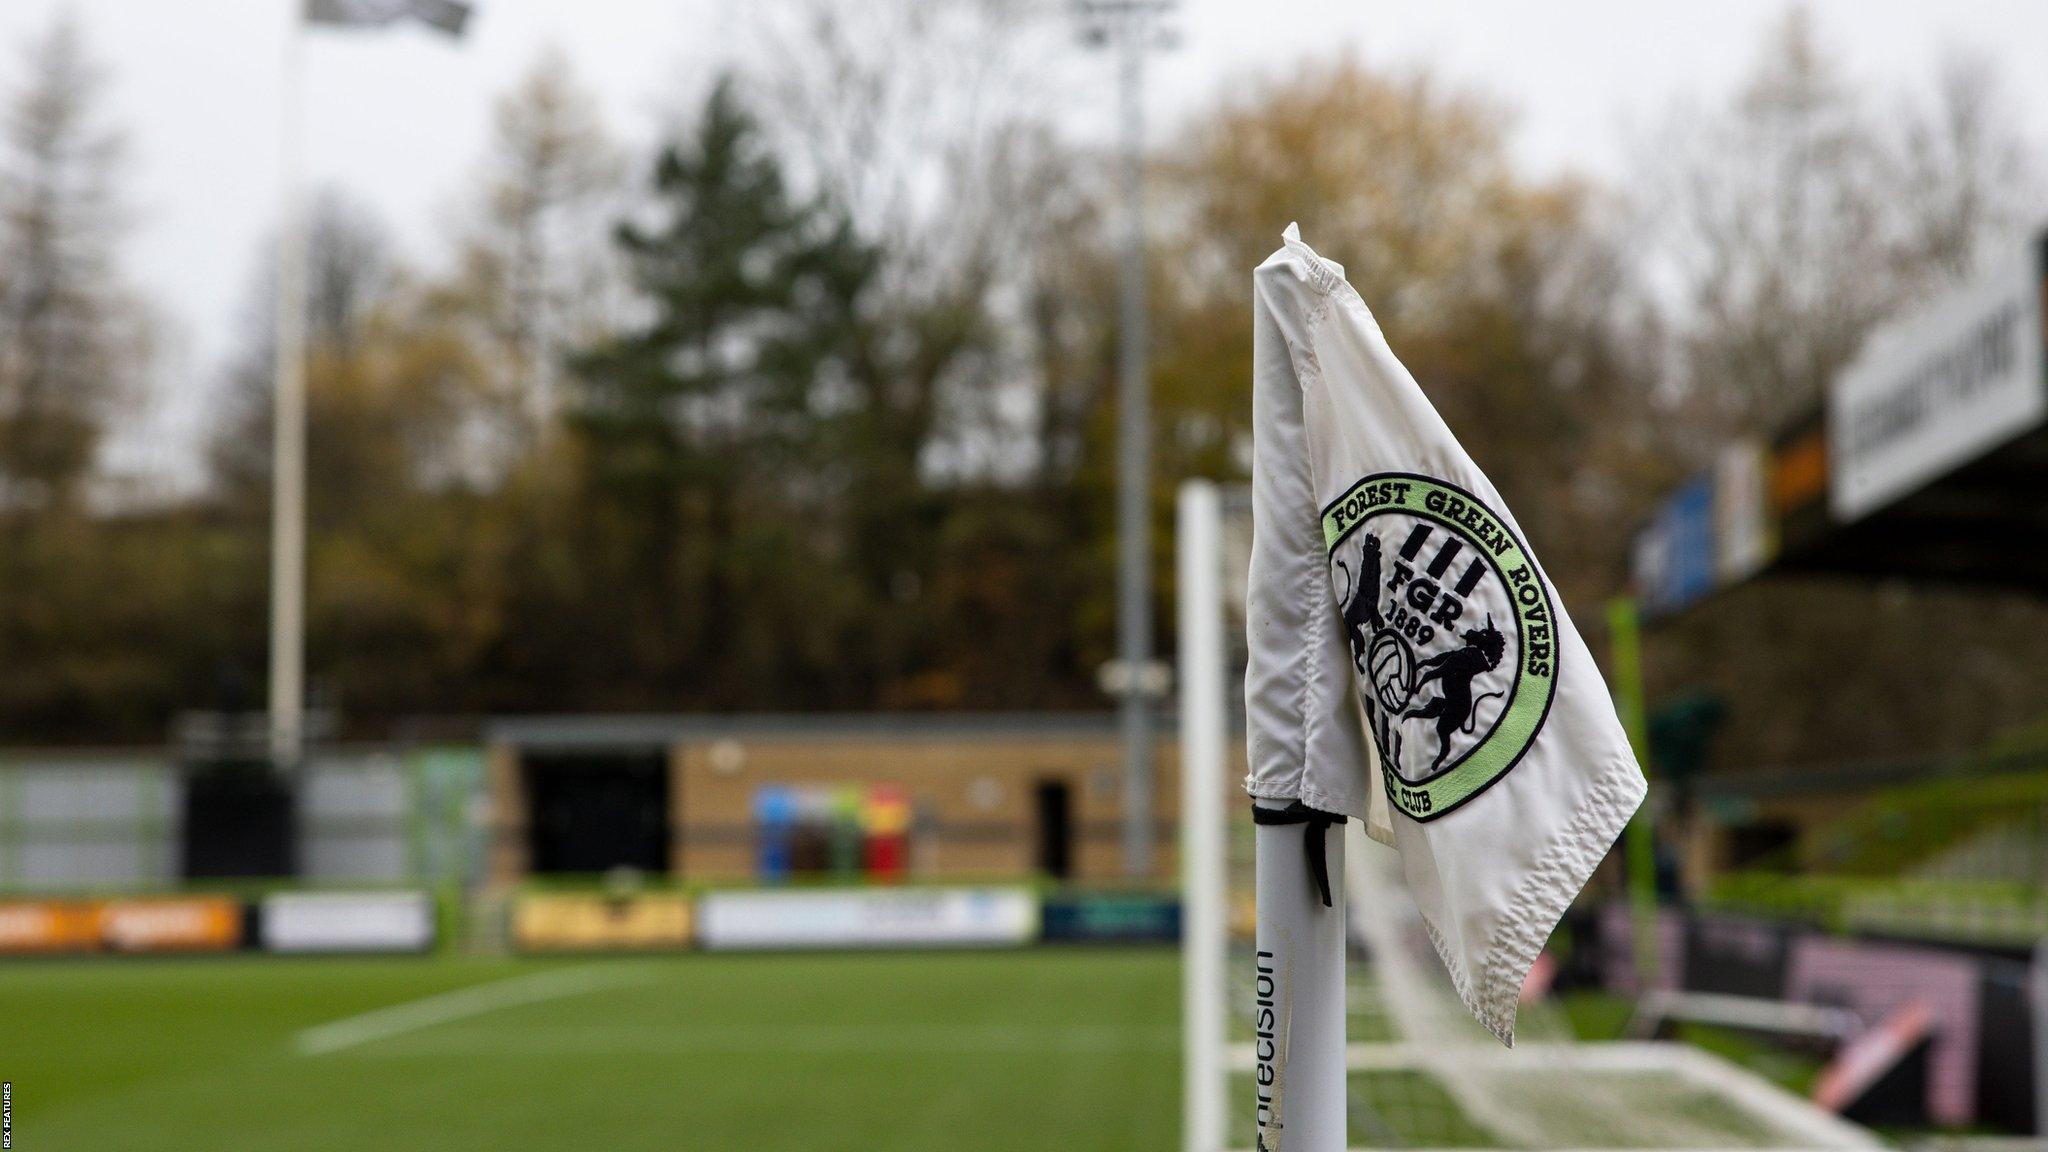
1451 631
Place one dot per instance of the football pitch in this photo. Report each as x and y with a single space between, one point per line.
1010 1050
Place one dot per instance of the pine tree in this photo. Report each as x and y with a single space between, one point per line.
698 424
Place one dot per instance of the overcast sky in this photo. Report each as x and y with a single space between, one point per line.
400 118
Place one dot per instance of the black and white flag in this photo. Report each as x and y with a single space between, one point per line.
445 15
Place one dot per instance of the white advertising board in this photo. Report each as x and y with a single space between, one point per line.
868 918
1742 511
347 922
1937 390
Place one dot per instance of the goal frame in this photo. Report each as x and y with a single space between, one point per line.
1204 727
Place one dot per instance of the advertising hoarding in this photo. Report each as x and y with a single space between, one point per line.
347 922
1937 390
1674 559
1745 536
138 924
868 918
171 924
1110 918
1798 483
29 927
570 922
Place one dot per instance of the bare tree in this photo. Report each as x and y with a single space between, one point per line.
350 273
1965 178
71 334
1800 217
349 269
894 108
537 263
1774 215
930 122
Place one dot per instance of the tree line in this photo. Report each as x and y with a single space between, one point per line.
810 406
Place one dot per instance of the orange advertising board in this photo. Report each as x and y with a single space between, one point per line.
43 926
140 924
171 924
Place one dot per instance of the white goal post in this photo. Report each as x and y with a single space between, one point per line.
1204 727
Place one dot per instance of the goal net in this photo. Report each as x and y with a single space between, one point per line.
1422 1073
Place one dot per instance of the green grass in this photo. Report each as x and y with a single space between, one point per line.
1601 1016
1387 1109
1596 1015
1017 1050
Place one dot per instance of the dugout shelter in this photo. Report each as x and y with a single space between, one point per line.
734 798
1927 460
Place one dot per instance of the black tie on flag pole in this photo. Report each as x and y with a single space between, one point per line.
288 427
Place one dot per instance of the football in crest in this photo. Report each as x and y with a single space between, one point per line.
1390 667
1450 629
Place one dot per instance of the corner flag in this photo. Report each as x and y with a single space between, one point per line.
446 15
1410 664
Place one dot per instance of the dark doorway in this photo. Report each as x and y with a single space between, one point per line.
595 811
1055 829
1759 841
238 821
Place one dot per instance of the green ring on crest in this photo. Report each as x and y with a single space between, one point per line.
1535 681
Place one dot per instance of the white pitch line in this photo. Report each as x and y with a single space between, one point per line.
783 1039
463 1003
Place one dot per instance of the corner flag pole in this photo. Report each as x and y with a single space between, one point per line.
1298 1078
288 433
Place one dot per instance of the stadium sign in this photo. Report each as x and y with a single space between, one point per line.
138 924
1797 483
171 924
347 922
574 922
1937 391
1744 540
868 918
41 926
1675 558
1110 918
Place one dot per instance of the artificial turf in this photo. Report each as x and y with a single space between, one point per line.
1012 1050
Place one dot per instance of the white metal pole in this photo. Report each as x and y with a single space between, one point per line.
1298 993
1133 28
1134 469
1205 1078
288 432
2037 988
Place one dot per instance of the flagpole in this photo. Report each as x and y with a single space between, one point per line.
1298 1076
288 430
1134 27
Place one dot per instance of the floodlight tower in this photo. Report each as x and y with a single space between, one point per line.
1134 28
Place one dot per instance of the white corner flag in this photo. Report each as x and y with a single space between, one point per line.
446 15
1411 666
